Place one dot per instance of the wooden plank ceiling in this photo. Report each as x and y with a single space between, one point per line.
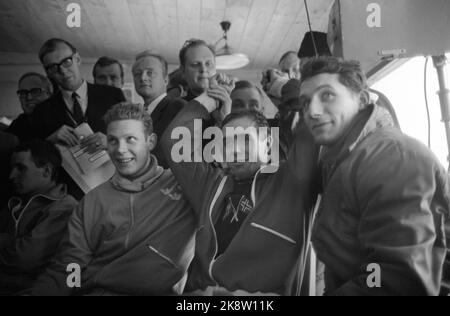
262 29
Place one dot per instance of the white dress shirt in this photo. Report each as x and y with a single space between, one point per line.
82 97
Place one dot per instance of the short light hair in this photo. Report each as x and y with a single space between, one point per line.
129 111
106 61
44 80
149 53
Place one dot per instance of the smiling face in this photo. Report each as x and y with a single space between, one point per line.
37 93
149 79
329 107
68 75
252 147
129 147
198 68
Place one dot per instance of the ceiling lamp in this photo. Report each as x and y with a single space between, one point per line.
226 58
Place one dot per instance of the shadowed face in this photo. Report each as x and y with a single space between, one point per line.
26 178
109 76
32 91
246 98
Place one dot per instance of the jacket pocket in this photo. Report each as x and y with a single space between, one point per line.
274 232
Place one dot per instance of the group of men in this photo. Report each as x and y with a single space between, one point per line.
349 183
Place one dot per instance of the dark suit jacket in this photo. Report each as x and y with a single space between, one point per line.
22 128
51 114
162 116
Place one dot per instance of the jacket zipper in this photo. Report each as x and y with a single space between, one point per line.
17 222
216 197
127 239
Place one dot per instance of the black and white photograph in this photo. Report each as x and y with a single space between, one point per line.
224 154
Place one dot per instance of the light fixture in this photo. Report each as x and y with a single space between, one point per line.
226 58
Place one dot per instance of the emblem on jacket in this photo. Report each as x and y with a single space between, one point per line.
174 192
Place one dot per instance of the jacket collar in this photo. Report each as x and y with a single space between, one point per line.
162 105
367 122
143 182
56 193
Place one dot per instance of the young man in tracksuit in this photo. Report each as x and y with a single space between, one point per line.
134 234
34 219
254 226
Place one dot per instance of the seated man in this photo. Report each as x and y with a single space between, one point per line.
134 234
34 88
385 198
35 218
255 223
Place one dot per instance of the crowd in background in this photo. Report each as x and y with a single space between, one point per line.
348 184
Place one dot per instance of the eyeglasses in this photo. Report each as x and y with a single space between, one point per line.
65 63
35 92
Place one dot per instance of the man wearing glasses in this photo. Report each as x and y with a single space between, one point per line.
77 101
34 88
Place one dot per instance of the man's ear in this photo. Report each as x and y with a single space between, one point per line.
152 140
364 99
77 58
47 171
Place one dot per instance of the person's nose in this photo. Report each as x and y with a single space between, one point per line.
13 174
63 70
122 147
144 76
203 68
315 108
109 81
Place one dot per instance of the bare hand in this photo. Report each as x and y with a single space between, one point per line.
222 95
65 135
94 143
270 76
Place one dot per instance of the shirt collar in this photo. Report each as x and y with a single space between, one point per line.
152 106
81 92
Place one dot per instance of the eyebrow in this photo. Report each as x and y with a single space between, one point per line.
317 89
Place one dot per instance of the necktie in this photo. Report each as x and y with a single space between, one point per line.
77 112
